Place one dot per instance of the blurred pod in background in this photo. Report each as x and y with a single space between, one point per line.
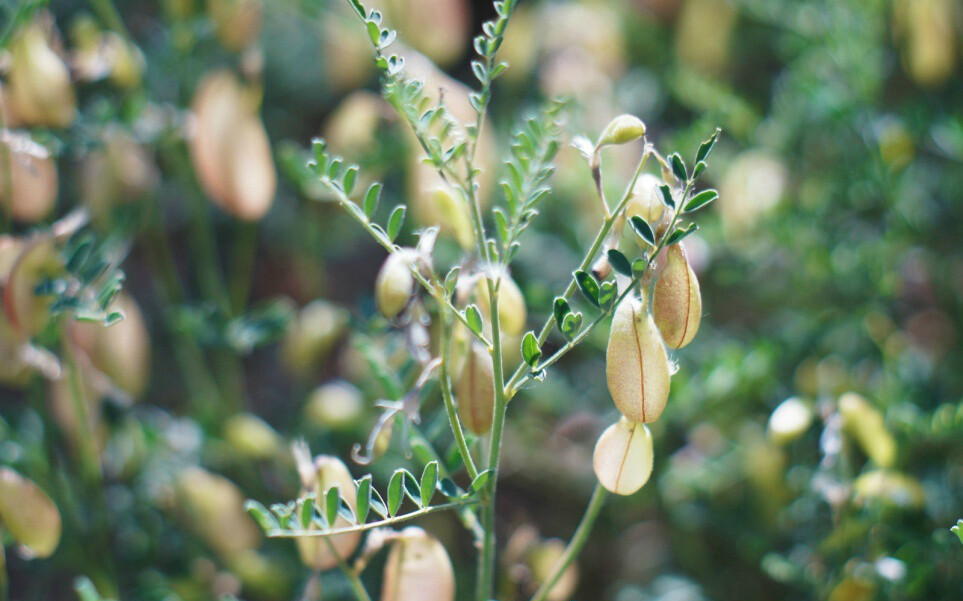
229 147
213 507
418 569
28 178
925 29
313 333
703 36
439 29
750 189
237 23
28 514
121 170
40 90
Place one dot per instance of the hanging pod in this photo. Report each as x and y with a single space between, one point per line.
28 514
418 569
646 200
326 473
677 301
636 365
622 130
476 391
512 313
623 457
395 283
40 89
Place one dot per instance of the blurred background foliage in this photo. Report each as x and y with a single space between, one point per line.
831 270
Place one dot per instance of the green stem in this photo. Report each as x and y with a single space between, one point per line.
575 545
242 264
357 587
446 394
4 584
109 14
515 381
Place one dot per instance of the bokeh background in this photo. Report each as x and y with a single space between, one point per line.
831 264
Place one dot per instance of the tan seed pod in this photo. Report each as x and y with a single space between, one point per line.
636 364
318 553
475 390
646 200
395 283
28 514
622 130
623 457
40 90
237 23
230 149
418 569
27 312
512 313
251 436
677 300
33 178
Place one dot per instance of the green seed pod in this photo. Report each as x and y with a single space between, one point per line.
677 301
251 436
622 130
512 313
475 390
789 420
28 514
315 331
623 457
541 560
636 365
215 510
646 200
328 472
418 569
888 486
865 423
40 90
336 405
395 283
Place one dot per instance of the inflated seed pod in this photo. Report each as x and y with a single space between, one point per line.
395 283
677 301
316 552
865 423
646 200
623 457
26 311
511 304
40 90
475 390
237 23
418 569
636 364
622 130
33 179
214 507
789 420
251 436
230 149
28 514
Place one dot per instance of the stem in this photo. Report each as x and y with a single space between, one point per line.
575 545
446 394
109 14
515 381
357 587
243 255
4 585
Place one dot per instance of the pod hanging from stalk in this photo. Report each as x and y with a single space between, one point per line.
40 90
418 569
623 457
476 391
28 514
319 476
646 200
512 313
636 364
622 130
677 301
395 283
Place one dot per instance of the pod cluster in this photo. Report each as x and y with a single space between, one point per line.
638 372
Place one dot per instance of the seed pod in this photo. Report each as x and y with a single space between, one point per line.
328 472
215 510
121 171
40 90
889 486
789 420
395 283
636 365
476 391
929 49
28 514
865 423
27 312
677 301
623 457
418 569
541 560
230 149
237 23
452 214
315 331
251 436
511 304
33 178
646 200
622 130
336 405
